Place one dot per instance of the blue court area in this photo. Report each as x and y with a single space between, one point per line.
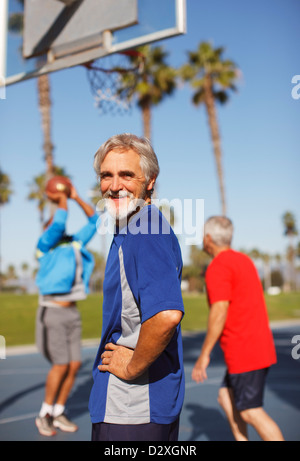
22 380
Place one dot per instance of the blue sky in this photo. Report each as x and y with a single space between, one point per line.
259 131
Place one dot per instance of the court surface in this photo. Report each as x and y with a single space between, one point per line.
22 379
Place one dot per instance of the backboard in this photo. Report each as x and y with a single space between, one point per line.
59 34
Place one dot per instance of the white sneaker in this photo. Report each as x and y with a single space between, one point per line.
45 426
64 424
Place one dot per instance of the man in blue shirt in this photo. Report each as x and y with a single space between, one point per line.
65 267
138 372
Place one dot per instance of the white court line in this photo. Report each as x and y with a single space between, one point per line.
14 419
26 371
18 418
187 386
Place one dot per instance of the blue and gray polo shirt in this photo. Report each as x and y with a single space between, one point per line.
142 278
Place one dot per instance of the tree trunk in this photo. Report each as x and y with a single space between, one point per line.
45 109
146 113
213 124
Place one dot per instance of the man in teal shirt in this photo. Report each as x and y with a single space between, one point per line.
65 267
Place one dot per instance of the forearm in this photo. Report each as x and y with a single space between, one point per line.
63 202
155 335
215 327
87 208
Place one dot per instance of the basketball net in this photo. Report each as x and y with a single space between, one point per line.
113 80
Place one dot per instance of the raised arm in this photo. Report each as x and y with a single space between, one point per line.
86 207
56 229
85 234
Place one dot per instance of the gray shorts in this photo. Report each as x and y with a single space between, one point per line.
58 334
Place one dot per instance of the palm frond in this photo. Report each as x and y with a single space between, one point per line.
207 64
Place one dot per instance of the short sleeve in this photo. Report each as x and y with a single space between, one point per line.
218 283
159 269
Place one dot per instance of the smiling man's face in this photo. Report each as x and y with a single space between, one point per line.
123 182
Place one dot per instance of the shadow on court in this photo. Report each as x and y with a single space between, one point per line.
22 380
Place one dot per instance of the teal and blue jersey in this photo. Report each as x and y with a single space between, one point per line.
56 255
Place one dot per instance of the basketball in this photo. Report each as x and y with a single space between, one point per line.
59 184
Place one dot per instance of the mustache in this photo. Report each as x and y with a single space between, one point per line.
119 194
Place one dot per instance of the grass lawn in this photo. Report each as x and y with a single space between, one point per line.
17 314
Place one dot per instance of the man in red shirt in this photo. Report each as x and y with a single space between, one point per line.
238 319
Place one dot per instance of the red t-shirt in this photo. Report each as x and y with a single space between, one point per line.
247 341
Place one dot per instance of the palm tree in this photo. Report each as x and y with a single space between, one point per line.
43 84
289 222
5 193
211 77
98 271
24 268
265 257
5 188
254 254
156 81
290 230
11 272
37 190
16 25
194 272
95 193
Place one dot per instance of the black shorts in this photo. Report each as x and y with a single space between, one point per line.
248 388
149 432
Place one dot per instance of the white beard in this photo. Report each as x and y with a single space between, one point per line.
122 212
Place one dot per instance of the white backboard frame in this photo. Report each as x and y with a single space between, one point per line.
107 48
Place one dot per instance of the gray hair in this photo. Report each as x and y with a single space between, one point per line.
220 229
127 141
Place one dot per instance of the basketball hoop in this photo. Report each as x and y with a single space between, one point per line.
113 80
